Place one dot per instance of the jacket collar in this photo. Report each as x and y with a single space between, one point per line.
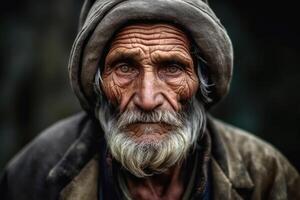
229 171
85 185
77 156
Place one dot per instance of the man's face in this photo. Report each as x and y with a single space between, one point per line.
149 77
147 68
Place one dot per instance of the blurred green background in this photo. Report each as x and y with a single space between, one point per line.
36 38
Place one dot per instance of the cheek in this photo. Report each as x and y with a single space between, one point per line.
116 89
184 87
192 87
112 88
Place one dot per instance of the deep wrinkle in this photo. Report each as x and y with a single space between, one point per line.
149 51
149 67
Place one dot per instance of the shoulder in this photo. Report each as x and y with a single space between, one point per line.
50 143
269 170
243 141
30 167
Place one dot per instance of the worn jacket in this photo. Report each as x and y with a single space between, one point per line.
61 164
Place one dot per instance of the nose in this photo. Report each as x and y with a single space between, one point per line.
148 96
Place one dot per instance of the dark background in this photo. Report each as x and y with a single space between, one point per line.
36 38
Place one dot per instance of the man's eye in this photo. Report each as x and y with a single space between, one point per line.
125 69
173 69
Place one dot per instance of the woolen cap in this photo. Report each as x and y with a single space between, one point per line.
101 19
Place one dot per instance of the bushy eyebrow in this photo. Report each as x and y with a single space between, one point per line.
171 57
122 55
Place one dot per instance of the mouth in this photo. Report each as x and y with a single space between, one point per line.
148 129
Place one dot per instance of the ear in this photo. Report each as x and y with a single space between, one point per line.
84 12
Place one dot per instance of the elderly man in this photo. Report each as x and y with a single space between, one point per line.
146 72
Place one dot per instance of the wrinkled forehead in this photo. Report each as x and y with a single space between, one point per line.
151 34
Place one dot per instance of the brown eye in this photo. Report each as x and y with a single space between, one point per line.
173 69
125 69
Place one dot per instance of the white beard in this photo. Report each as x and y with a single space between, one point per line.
154 156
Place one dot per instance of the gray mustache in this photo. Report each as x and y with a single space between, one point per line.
159 116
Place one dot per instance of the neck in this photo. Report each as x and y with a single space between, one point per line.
167 185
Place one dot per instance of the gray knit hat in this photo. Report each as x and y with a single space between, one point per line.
100 19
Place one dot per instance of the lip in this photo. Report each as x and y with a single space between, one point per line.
147 128
140 123
148 124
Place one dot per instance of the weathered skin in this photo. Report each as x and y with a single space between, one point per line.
150 67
